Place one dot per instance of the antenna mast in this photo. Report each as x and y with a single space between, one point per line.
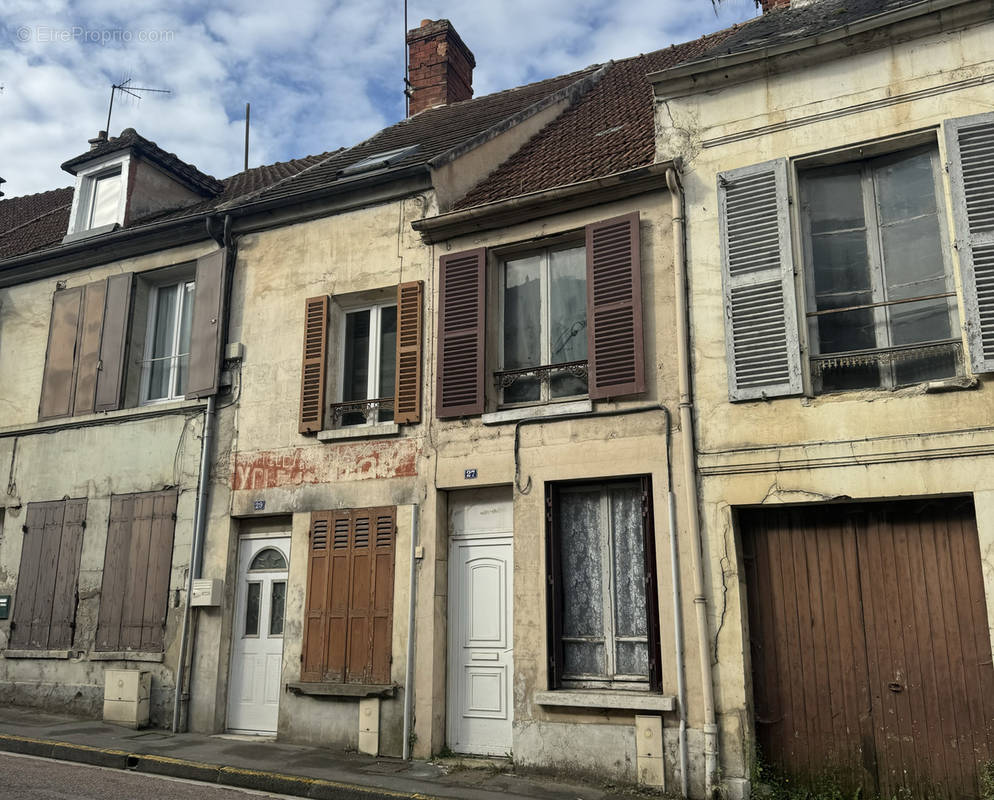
125 87
407 82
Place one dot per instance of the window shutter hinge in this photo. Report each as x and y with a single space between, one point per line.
301 658
24 529
173 515
83 524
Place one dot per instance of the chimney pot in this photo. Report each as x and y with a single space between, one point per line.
97 140
439 66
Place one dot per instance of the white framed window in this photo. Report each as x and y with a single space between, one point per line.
167 342
880 298
543 326
368 366
99 199
105 199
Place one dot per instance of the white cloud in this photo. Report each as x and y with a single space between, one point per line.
319 74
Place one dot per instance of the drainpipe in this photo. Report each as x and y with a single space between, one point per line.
409 679
182 696
690 479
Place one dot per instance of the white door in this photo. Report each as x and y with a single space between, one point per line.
481 641
257 635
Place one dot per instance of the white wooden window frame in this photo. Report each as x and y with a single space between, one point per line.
372 379
173 355
874 245
545 322
610 679
81 213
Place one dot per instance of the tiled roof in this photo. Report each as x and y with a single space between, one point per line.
33 221
786 24
435 131
130 139
610 129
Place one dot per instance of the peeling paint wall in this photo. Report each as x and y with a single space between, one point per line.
860 444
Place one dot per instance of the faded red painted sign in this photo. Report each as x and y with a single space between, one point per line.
293 466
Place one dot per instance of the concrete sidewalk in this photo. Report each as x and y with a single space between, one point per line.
276 767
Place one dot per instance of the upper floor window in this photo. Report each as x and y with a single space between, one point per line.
543 340
881 303
100 197
167 342
104 200
369 365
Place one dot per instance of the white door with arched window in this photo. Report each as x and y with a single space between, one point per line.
257 635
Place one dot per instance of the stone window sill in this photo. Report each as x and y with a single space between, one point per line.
37 654
341 689
126 655
586 698
533 412
359 432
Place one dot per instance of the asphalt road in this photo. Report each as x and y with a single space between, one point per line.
28 778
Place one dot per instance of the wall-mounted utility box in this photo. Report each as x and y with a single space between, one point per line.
4 606
126 696
207 592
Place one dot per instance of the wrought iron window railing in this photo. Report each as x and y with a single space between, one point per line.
506 378
363 408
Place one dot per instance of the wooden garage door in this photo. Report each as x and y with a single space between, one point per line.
870 645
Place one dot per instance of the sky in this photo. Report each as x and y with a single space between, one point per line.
320 74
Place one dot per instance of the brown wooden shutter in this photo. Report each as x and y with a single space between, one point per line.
614 308
313 656
133 611
160 556
207 328
66 594
59 379
113 343
553 587
461 329
48 564
27 576
115 574
407 401
651 586
380 657
360 598
312 372
88 347
339 575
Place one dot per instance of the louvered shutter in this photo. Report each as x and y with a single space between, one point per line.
207 325
380 656
65 598
407 391
614 308
757 269
113 343
88 347
461 328
970 149
336 646
59 378
312 373
360 596
314 655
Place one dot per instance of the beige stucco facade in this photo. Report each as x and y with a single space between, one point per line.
905 80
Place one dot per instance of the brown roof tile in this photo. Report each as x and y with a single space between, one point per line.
33 221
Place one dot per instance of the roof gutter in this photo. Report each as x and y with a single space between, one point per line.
557 200
687 77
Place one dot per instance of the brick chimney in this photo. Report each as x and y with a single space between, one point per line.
769 5
440 66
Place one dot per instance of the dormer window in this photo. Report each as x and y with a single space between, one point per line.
99 201
106 199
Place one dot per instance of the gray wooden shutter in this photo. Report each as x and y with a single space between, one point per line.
407 384
59 378
207 326
154 593
757 269
614 308
66 595
115 573
28 575
314 364
970 149
461 329
117 316
88 347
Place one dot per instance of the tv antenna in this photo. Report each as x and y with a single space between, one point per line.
125 87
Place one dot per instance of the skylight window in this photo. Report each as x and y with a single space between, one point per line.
379 160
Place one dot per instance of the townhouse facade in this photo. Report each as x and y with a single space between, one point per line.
839 204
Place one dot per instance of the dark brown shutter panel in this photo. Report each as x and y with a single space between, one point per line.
59 379
651 586
360 598
155 591
312 372
340 564
66 595
461 329
614 308
113 343
553 587
88 347
115 573
380 657
207 327
27 576
314 654
407 402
